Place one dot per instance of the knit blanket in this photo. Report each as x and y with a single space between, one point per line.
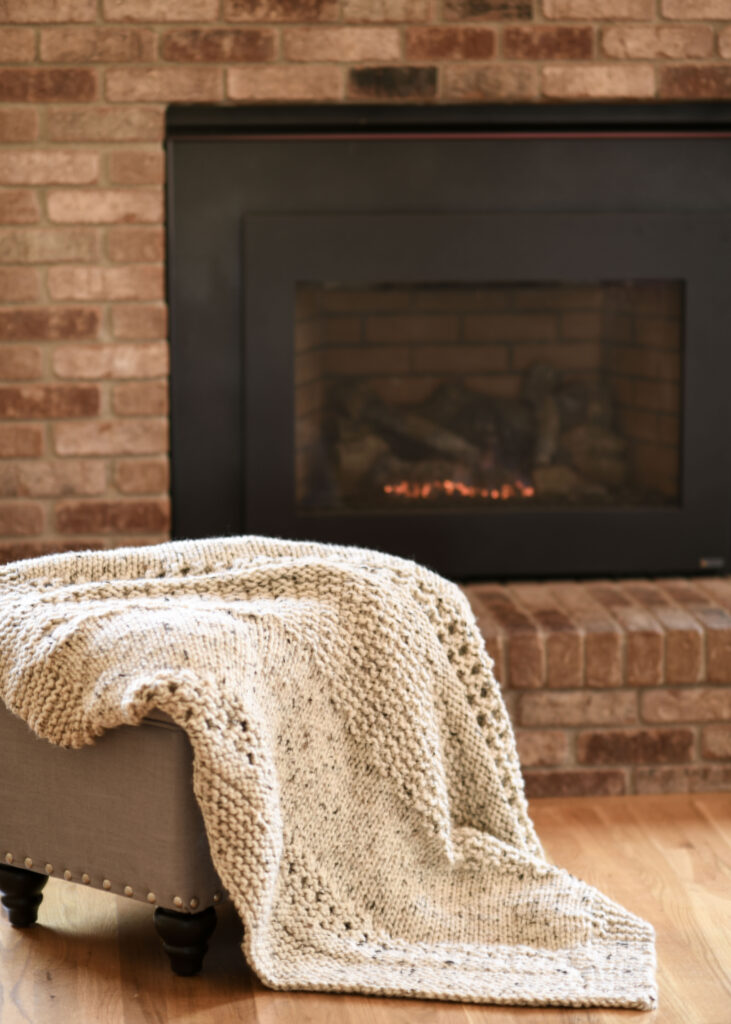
353 761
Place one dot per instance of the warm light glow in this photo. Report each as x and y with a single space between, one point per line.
435 488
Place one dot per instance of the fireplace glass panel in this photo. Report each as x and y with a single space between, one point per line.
477 396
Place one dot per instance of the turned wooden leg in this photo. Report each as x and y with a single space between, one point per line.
185 937
22 894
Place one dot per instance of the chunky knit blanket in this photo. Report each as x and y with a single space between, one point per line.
353 762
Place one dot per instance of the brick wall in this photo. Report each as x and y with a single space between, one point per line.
84 85
614 688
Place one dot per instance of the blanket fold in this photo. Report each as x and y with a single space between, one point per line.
353 761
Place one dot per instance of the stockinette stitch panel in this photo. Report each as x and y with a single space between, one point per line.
353 761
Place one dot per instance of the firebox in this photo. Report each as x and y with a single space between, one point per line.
493 340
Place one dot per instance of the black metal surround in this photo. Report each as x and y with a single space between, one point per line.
631 192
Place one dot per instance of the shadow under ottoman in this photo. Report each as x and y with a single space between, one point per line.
120 816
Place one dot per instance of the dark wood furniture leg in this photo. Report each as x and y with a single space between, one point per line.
21 894
185 937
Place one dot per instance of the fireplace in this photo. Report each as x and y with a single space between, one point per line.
492 340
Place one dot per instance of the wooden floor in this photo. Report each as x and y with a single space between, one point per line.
94 958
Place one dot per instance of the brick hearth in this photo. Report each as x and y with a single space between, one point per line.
614 687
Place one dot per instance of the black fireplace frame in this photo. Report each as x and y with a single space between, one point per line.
231 291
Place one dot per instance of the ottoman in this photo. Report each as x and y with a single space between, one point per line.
120 816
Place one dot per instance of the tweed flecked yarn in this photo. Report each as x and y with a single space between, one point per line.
353 761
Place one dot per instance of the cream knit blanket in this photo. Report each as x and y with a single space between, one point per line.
354 763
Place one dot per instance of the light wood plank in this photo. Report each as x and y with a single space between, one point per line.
95 958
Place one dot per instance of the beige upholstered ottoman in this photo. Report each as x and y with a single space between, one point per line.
120 816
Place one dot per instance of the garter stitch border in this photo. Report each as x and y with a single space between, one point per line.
353 761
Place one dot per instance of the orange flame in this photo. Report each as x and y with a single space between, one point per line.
408 489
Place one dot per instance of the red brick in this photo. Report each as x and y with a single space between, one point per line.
716 623
20 362
548 42
139 281
105 124
45 245
149 398
285 83
136 167
160 10
106 206
599 82
644 639
468 10
51 401
688 704
18 124
695 82
137 322
166 85
341 44
684 641
616 10
688 9
218 45
499 83
112 437
542 747
19 206
94 362
19 284
47 10
493 633
150 516
24 441
564 653
281 10
574 783
651 41
724 43
716 742
578 707
48 167
142 476
48 324
640 746
397 82
435 43
17 550
525 662
136 245
40 479
688 779
47 85
20 518
86 44
17 45
603 639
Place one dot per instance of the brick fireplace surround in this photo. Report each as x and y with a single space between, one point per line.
613 687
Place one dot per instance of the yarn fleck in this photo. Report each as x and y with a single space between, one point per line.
353 761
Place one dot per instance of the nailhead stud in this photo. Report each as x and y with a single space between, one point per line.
85 878
151 897
177 901
28 862
49 869
194 902
67 875
128 890
8 858
106 884
217 897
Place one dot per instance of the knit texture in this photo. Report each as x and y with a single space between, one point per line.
353 761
